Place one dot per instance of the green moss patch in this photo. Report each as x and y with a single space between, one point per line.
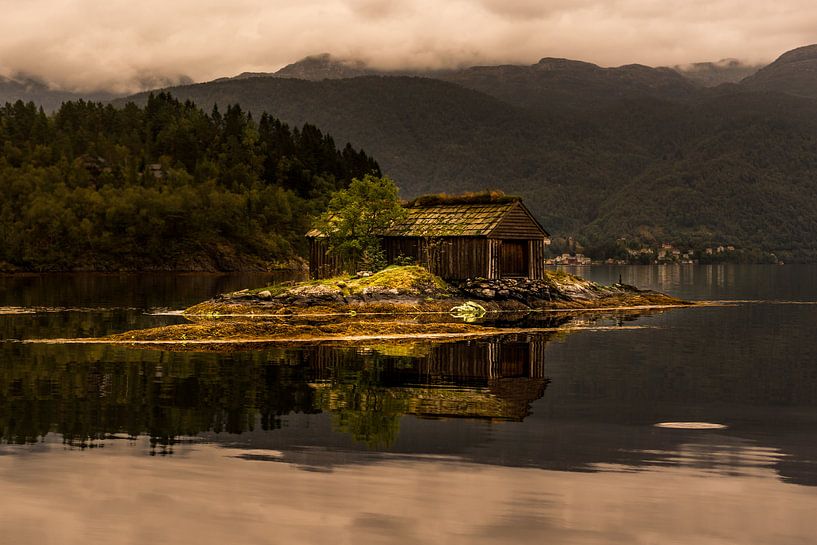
410 278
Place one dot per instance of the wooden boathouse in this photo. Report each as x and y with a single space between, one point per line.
472 236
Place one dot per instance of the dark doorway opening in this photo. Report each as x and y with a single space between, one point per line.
513 258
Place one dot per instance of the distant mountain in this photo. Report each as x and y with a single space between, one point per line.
689 167
550 84
327 66
605 155
553 84
794 72
712 74
28 89
324 66
50 98
547 85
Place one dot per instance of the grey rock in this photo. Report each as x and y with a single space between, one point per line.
313 295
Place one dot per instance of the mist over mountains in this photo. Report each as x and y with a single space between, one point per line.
699 155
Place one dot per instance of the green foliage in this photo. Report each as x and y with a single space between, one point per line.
723 166
164 186
357 216
404 260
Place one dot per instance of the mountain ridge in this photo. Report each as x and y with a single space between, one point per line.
601 155
794 72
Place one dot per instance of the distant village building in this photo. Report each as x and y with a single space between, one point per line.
457 238
568 259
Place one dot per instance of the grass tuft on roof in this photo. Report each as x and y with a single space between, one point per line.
482 197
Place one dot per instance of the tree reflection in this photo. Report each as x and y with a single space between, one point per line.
86 394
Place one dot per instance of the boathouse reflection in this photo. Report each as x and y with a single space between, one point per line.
495 380
90 394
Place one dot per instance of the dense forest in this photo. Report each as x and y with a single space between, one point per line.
161 186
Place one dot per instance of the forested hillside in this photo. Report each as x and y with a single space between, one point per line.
695 167
163 186
616 159
794 72
437 136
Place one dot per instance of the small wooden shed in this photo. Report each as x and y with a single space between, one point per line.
458 238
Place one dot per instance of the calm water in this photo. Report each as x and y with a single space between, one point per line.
525 439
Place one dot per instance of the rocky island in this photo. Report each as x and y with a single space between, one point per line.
395 303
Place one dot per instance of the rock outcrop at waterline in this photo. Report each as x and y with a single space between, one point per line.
397 304
413 289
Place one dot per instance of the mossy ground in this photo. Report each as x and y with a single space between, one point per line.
266 329
407 278
355 314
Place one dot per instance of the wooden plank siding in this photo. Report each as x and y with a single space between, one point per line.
402 247
518 224
514 260
322 265
452 258
536 255
494 255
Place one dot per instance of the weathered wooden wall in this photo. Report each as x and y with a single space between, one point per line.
517 224
494 255
402 247
514 260
536 255
322 265
452 258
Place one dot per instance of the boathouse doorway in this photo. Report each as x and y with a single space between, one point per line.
513 261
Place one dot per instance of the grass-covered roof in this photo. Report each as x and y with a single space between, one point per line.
484 197
450 220
442 215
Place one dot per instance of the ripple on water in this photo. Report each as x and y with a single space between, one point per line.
58 310
16 310
691 425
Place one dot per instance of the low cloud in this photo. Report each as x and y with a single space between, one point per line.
124 46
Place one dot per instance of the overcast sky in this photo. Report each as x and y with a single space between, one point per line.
116 44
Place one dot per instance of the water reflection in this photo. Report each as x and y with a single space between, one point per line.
520 439
713 282
171 290
209 496
87 394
